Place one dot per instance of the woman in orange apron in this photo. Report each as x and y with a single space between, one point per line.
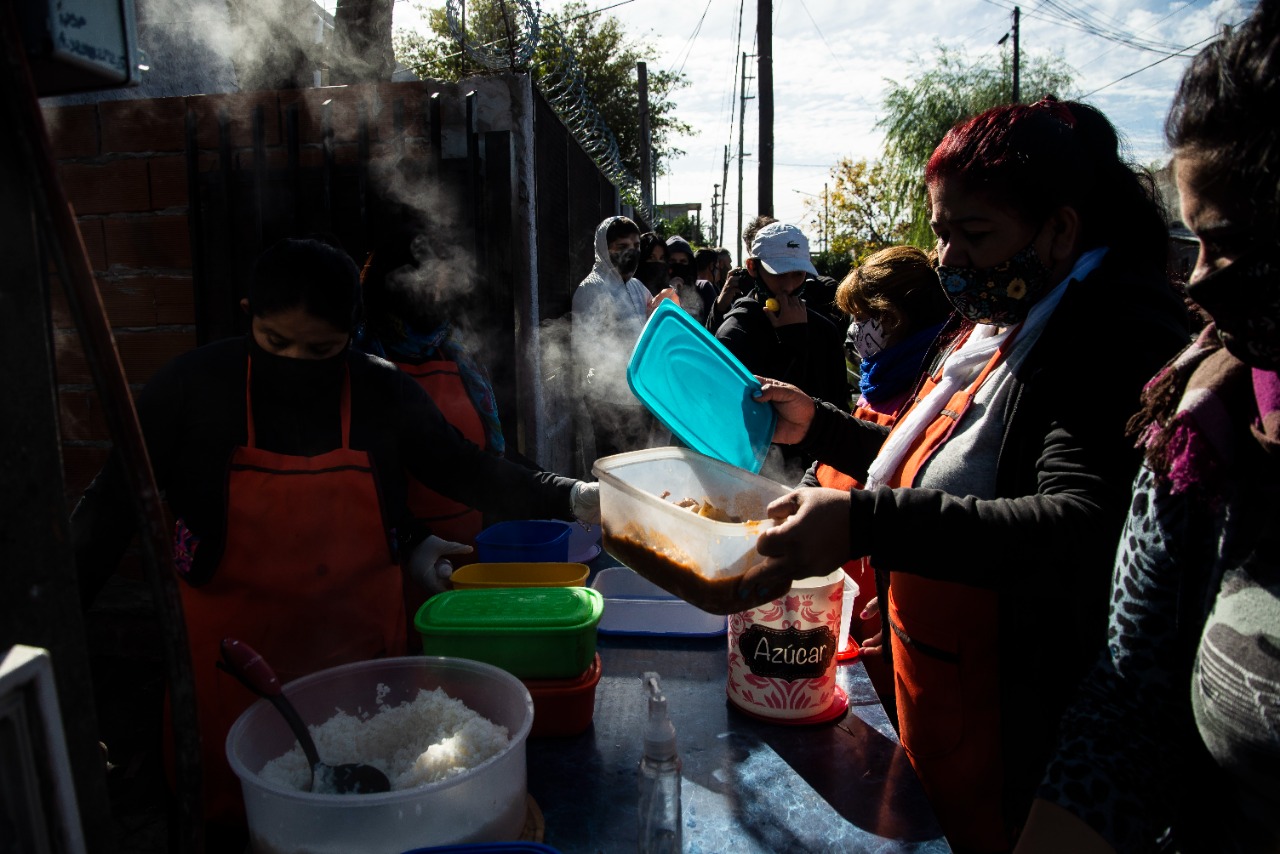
896 310
994 502
282 457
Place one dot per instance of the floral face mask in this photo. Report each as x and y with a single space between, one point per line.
1001 295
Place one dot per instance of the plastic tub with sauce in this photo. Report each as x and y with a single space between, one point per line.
691 556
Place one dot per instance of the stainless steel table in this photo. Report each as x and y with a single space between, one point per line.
748 785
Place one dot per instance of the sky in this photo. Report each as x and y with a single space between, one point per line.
832 60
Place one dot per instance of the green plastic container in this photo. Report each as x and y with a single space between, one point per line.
531 632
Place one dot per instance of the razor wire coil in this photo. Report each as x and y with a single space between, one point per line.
560 79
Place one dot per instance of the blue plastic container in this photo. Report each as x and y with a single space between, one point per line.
536 541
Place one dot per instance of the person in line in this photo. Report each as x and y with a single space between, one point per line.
281 455
652 271
772 331
693 295
610 308
707 263
724 264
897 309
994 502
1173 738
737 281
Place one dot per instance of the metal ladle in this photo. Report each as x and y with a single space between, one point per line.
241 661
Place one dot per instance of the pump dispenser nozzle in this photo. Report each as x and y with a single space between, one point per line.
659 806
659 733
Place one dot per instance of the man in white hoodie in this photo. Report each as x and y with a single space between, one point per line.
610 308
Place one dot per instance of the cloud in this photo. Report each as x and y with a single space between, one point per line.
832 58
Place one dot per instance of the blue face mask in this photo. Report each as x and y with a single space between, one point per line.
1001 295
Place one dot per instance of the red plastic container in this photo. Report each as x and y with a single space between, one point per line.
564 706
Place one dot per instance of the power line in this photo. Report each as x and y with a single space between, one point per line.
1179 52
693 37
1052 12
1182 8
1065 15
839 64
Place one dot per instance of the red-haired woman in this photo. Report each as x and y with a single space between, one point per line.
995 502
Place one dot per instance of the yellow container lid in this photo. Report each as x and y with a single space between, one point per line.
479 576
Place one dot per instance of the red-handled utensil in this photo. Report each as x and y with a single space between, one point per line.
251 669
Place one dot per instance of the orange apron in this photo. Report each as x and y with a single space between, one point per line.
306 578
860 569
448 519
946 668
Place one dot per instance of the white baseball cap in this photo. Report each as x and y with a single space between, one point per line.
782 248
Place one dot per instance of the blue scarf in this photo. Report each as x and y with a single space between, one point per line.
402 342
889 372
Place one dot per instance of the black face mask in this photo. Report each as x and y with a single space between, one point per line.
683 271
1244 301
653 274
296 380
625 262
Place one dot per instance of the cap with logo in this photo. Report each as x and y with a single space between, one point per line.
782 248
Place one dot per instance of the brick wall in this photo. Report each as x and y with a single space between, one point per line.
123 166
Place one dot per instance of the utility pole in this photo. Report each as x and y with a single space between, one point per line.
715 218
1017 15
646 187
1017 53
742 129
723 196
764 37
826 217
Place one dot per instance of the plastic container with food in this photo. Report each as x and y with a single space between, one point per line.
480 576
532 632
689 553
633 605
524 541
564 706
486 802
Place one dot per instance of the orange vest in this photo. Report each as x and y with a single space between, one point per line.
946 668
306 578
449 519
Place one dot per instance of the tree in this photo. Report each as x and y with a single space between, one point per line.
603 51
919 113
861 213
684 226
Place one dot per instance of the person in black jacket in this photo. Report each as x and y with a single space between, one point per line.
772 331
995 503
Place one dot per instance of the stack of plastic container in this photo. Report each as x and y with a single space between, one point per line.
546 636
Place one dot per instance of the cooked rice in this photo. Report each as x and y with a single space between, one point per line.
432 738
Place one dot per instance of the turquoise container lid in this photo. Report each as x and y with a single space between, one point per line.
699 390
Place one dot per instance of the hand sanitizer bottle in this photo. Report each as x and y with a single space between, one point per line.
660 822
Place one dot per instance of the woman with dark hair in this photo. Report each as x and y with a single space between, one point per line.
281 456
1174 736
410 298
994 502
653 262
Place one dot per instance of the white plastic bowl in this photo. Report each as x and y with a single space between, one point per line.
483 804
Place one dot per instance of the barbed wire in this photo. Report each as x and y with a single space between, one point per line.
560 79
